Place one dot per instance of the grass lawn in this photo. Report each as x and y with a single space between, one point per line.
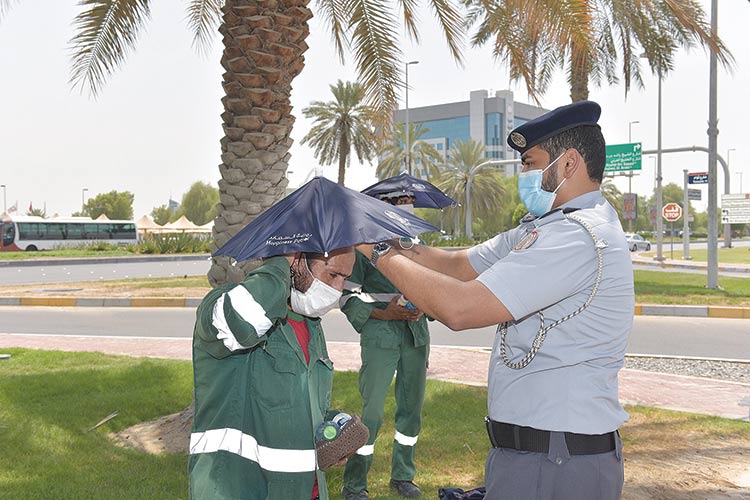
655 287
63 254
47 399
734 255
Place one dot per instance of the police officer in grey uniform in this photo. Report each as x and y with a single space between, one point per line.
560 287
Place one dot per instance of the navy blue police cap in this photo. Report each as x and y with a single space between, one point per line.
558 120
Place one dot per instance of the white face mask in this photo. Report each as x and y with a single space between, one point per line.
317 300
408 207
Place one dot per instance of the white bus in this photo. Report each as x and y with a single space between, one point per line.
32 233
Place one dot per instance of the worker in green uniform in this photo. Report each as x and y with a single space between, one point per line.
263 380
393 339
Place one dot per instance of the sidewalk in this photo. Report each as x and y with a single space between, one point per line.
463 365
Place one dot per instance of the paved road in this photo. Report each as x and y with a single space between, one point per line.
702 337
46 274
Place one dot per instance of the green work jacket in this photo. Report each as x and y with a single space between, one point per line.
367 289
257 401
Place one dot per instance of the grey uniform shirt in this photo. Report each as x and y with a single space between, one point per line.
571 385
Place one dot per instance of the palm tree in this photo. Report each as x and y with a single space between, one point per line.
393 154
612 194
341 125
264 43
589 39
486 189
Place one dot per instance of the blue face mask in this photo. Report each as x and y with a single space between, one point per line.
537 200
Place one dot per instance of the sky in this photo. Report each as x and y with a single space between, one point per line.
155 127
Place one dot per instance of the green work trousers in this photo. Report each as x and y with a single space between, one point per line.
378 366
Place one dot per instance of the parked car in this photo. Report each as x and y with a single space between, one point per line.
637 242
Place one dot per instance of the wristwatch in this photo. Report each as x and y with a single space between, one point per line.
379 249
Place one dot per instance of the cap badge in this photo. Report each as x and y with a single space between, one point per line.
518 139
526 241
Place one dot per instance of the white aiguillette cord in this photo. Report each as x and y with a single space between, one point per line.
541 334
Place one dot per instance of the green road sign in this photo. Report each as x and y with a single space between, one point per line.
623 157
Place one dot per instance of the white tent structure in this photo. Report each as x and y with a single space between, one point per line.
146 225
102 217
181 225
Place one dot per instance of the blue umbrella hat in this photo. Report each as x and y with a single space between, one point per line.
320 217
425 194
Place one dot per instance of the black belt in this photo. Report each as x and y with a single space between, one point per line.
516 437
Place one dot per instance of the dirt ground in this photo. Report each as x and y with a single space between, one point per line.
695 469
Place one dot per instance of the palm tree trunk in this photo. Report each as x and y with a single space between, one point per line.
343 155
263 45
579 75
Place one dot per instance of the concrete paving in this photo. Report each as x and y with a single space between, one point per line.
462 365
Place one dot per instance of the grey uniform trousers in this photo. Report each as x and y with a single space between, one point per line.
523 475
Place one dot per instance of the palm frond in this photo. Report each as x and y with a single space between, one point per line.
377 55
408 8
689 14
451 22
105 31
5 6
334 14
204 17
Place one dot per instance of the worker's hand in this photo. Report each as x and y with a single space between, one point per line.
395 312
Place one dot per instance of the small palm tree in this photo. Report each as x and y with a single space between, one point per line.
589 39
393 155
341 125
486 189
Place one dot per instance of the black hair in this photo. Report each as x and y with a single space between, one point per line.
588 141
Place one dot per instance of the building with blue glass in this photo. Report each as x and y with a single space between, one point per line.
484 118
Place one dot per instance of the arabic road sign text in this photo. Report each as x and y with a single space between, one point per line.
623 157
698 178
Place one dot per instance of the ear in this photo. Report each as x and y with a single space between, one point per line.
572 160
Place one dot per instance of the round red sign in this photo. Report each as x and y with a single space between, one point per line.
671 212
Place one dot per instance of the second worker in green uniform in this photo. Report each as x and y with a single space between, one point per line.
393 339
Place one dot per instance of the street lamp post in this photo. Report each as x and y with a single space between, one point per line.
406 127
83 202
659 200
470 181
5 205
712 264
630 173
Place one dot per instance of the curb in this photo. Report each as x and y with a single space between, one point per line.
103 260
685 265
640 309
